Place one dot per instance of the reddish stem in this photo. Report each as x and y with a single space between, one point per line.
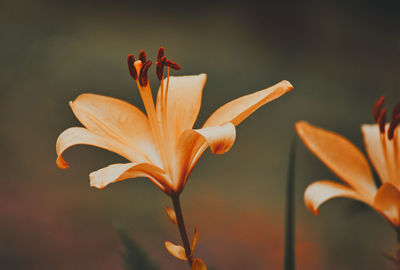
182 228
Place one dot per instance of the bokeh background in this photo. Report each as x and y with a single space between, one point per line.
340 56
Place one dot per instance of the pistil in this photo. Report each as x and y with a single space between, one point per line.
139 71
379 114
161 63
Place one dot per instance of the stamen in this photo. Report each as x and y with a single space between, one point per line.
160 67
142 56
172 65
396 111
382 121
131 66
143 75
395 122
376 111
160 53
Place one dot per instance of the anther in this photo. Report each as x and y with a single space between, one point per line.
395 122
382 120
142 56
143 75
160 53
376 111
131 66
172 65
160 67
396 111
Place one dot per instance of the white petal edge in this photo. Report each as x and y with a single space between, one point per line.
194 142
121 171
321 191
340 155
78 135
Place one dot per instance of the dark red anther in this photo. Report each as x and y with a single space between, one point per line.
376 111
396 110
143 75
395 122
160 67
131 66
142 56
172 65
160 53
382 121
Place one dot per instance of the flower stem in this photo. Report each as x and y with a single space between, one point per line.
182 228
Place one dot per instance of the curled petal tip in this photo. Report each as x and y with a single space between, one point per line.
313 209
97 186
288 85
309 203
315 212
94 183
61 163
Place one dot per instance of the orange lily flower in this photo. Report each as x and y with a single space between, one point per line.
350 165
162 145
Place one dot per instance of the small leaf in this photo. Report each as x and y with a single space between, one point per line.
176 250
171 214
198 264
195 237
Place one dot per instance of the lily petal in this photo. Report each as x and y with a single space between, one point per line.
381 153
319 192
239 109
194 142
78 135
183 102
116 119
340 155
118 172
220 138
387 202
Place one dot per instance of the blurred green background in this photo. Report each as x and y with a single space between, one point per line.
340 56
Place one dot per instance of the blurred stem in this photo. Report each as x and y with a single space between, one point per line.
290 221
182 229
397 255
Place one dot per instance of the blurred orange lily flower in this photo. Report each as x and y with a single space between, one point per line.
350 165
162 145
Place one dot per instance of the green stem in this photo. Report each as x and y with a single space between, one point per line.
182 228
